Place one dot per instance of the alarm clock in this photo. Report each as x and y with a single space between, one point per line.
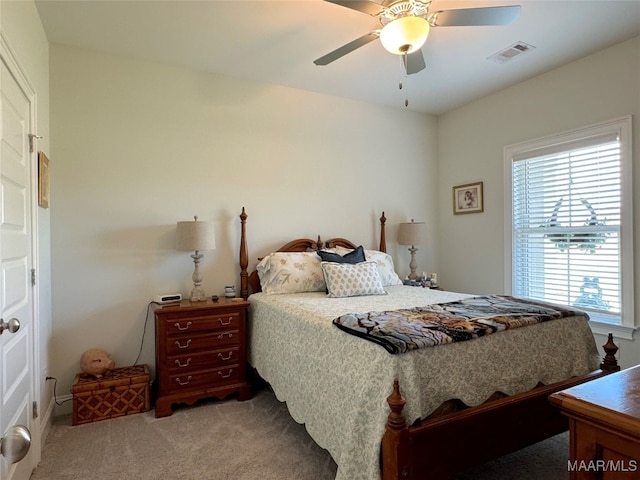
167 298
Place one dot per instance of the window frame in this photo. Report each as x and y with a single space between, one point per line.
623 128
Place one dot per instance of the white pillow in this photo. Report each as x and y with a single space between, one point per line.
291 272
352 279
384 261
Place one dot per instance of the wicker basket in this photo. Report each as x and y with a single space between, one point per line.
121 391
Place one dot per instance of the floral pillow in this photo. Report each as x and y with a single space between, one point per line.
352 279
385 265
291 272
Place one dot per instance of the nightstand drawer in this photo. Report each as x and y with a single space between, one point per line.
180 326
208 341
208 378
205 360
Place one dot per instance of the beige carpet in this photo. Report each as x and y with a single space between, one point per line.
231 440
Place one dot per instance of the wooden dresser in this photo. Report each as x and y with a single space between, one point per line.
201 351
604 422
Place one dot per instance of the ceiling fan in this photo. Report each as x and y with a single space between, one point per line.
406 24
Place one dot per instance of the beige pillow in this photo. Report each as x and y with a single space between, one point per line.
291 272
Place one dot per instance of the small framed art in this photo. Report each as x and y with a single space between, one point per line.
468 198
43 180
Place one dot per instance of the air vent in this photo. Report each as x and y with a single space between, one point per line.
511 52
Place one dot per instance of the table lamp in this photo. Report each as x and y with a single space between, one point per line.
413 234
196 236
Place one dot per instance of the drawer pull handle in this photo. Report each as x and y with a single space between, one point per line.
177 342
180 327
221 336
227 375
228 357
223 323
185 382
185 365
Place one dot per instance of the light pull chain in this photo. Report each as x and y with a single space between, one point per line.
405 61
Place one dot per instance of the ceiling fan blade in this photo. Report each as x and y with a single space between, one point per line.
347 48
414 62
363 6
468 17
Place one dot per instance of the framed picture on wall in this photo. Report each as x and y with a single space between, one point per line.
43 180
468 198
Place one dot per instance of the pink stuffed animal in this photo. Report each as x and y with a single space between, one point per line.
96 362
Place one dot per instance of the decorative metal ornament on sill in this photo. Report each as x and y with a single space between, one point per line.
588 242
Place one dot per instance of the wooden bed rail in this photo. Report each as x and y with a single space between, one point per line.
493 429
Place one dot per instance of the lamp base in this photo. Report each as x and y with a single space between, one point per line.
412 264
197 295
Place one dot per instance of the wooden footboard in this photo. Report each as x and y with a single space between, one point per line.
448 444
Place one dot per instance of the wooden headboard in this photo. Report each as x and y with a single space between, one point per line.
250 283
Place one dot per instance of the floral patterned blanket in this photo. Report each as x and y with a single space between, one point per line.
399 331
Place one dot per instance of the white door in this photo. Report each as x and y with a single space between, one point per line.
16 291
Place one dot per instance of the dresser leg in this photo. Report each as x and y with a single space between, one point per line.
245 393
163 408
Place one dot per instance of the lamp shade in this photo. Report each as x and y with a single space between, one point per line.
413 233
404 34
195 235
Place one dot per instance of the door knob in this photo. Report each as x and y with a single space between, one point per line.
12 325
15 445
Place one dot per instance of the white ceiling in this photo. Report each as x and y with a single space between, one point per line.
277 41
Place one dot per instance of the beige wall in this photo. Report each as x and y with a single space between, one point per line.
21 26
471 139
138 146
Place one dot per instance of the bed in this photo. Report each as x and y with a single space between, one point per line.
427 413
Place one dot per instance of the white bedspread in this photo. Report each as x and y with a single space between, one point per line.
337 384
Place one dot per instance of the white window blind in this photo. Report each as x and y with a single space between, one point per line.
567 198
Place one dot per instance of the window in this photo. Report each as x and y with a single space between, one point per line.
569 204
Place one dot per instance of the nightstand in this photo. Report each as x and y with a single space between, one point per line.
201 351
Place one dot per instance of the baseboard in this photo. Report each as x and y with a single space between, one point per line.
46 421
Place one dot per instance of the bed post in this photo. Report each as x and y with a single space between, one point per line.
609 363
395 442
244 257
383 240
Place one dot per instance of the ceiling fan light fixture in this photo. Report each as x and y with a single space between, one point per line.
404 35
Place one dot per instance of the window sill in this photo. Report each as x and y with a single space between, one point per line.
619 331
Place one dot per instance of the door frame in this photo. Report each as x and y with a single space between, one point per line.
9 57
